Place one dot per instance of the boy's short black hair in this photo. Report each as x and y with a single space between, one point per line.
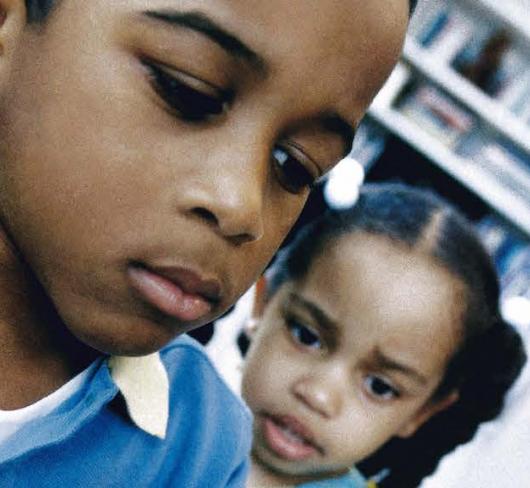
39 9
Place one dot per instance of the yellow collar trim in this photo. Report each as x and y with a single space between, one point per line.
144 384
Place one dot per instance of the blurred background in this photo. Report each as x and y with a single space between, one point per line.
455 116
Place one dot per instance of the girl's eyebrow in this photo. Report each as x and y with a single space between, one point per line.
201 23
388 363
321 317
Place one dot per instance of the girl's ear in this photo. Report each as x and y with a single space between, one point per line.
12 22
425 413
258 307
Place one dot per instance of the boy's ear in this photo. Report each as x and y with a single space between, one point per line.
258 306
12 22
425 413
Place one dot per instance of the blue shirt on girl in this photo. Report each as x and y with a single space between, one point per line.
352 479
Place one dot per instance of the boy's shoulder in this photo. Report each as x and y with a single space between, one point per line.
206 443
188 365
179 378
207 421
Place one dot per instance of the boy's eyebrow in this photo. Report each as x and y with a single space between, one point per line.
229 42
200 22
323 319
333 122
390 364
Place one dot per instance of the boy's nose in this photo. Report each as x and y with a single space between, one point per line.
230 213
230 199
319 395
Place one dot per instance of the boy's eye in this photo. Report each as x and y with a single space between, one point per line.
380 388
304 335
292 173
191 104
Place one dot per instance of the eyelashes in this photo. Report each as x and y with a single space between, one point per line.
292 174
380 388
190 104
195 105
304 335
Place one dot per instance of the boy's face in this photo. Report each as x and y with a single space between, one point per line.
154 153
349 357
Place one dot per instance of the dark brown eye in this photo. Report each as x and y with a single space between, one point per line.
292 173
380 388
189 103
304 335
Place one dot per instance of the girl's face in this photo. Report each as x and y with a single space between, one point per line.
154 153
350 356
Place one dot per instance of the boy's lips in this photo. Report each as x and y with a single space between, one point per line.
178 292
288 438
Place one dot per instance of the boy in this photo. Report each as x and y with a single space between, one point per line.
153 155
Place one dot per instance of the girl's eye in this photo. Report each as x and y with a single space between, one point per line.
293 175
304 335
380 388
189 103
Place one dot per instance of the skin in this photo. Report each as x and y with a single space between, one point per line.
98 172
395 303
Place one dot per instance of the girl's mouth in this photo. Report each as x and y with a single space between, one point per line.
288 438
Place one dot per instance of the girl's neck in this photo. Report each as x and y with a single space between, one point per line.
37 354
261 477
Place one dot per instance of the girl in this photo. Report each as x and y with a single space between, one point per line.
380 344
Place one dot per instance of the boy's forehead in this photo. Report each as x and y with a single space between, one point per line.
344 35
319 53
332 42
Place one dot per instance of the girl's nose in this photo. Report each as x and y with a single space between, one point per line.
319 395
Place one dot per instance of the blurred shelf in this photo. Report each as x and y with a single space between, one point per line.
490 111
512 15
501 198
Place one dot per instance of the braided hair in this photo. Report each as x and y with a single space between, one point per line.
38 10
490 364
490 354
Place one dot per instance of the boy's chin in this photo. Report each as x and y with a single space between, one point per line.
137 338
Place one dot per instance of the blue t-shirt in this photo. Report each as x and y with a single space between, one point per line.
90 441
